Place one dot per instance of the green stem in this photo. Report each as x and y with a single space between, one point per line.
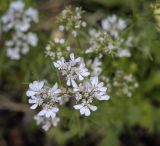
59 78
79 44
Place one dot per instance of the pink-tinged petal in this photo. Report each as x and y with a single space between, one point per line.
34 106
92 107
87 111
78 106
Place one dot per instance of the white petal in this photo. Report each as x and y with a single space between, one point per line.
32 101
30 93
80 77
57 91
74 84
78 59
87 111
56 64
34 106
40 85
85 74
103 89
68 82
55 87
78 106
72 56
55 109
94 81
53 115
92 107
41 113
48 114
82 110
105 97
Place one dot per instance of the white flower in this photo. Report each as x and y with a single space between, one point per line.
73 69
84 24
46 122
100 90
85 108
96 67
18 20
25 48
19 44
72 21
17 5
32 14
113 25
48 111
92 89
53 93
73 60
32 39
74 33
35 101
61 28
13 53
22 26
35 88
124 53
82 71
60 64
55 121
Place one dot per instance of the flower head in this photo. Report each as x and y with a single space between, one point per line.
85 108
72 70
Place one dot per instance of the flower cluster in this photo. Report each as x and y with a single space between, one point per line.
125 84
47 98
101 42
77 85
73 70
108 39
57 48
78 78
18 21
71 21
95 65
114 25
